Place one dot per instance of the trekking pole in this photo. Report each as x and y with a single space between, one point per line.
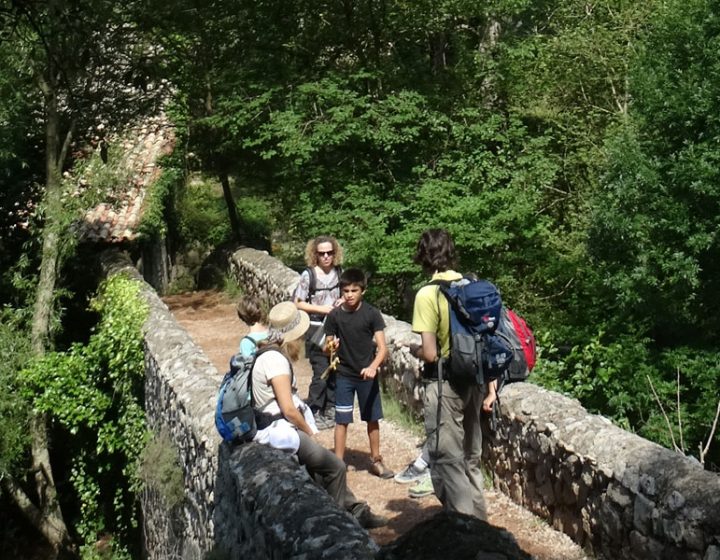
439 405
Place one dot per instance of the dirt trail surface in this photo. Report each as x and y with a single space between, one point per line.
211 320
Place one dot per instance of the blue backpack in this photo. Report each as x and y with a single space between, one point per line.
234 413
478 351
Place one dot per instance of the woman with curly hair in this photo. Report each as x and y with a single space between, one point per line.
317 293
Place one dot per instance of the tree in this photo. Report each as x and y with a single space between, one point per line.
90 66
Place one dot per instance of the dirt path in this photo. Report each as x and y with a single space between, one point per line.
210 319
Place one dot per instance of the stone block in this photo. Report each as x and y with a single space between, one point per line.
643 511
675 500
582 492
619 496
454 535
638 545
541 473
546 446
568 496
546 491
647 485
612 524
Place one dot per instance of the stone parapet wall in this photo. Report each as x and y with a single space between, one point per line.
619 495
616 493
238 502
263 276
268 507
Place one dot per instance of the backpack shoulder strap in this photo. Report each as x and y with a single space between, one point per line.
442 285
273 348
312 287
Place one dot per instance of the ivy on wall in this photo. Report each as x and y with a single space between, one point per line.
94 393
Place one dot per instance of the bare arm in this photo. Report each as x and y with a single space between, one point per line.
491 396
314 309
428 349
370 371
283 395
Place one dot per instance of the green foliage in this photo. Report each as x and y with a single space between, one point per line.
155 216
256 218
616 377
654 230
202 215
95 392
603 374
14 409
231 287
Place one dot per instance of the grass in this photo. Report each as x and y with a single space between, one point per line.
231 287
395 411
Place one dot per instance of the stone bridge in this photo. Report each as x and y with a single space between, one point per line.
616 494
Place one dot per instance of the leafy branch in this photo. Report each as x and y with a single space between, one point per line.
703 449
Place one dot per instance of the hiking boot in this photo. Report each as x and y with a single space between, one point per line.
322 422
329 415
422 488
379 469
367 519
411 474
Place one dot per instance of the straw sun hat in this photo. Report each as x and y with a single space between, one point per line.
287 322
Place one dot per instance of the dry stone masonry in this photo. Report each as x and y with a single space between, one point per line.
248 502
619 495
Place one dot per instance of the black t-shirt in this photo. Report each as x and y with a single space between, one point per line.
356 331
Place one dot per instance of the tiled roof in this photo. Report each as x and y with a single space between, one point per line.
117 220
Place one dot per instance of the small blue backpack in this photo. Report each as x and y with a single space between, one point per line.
234 413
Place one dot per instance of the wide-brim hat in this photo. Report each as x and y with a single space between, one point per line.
287 322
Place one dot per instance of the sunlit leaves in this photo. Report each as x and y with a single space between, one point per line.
95 392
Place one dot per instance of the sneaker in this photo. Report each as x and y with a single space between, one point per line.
322 422
422 488
367 519
379 469
329 415
411 474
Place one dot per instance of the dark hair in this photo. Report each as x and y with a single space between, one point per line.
250 310
435 251
353 276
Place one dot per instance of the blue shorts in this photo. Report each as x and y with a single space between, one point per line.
368 394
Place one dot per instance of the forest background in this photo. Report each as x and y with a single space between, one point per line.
572 148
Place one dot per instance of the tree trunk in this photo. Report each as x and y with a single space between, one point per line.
48 265
49 516
46 525
230 202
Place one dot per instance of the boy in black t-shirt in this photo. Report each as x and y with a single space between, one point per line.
354 333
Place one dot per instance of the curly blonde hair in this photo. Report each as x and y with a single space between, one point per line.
311 250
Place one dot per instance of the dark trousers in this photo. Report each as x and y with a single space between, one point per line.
328 471
321 393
